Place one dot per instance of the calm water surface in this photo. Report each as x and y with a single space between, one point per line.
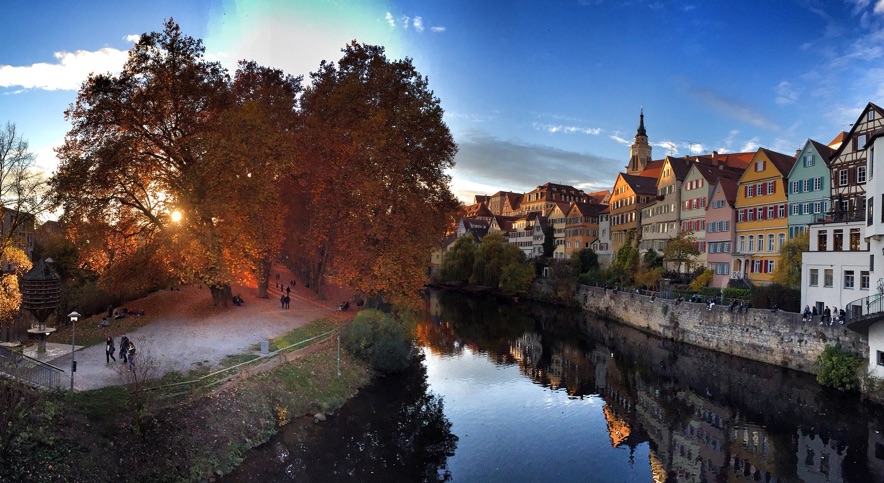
526 392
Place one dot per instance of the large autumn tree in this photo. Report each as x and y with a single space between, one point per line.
374 194
172 133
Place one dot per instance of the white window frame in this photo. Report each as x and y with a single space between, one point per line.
860 174
842 177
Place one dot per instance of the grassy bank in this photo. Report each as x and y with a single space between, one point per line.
113 434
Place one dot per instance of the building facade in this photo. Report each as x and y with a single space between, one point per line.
762 225
810 187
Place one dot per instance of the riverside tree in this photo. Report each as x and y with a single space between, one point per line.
374 196
788 269
172 133
681 249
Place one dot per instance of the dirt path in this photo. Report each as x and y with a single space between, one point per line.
189 333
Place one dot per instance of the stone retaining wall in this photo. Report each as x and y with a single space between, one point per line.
758 334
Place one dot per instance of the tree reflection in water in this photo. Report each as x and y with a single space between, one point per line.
393 430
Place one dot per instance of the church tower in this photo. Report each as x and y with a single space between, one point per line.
640 151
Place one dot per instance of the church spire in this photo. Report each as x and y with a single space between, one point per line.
640 151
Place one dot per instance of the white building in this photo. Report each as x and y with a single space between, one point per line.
602 246
835 270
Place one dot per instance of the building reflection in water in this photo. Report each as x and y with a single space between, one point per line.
705 416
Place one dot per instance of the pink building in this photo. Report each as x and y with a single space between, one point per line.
720 226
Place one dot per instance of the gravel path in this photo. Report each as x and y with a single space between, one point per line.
190 333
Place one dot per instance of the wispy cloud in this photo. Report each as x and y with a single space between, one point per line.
484 158
132 38
751 145
785 94
406 22
620 140
68 73
558 128
733 108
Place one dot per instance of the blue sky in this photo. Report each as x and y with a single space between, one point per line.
533 91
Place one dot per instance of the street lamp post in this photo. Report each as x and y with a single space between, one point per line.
73 316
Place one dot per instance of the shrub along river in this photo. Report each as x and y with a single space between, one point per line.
530 392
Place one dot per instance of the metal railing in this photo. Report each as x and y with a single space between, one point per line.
838 217
204 383
870 305
29 370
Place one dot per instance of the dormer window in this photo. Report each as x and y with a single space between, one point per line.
861 141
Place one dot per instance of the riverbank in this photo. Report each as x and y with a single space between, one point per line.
114 433
106 431
777 338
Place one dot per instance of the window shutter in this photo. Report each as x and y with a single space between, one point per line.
773 187
746 194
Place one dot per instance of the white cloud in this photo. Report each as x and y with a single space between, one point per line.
406 20
70 71
45 159
132 38
418 24
437 29
786 95
670 147
558 128
390 20
879 6
620 140
751 145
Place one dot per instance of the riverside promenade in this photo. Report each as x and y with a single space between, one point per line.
187 332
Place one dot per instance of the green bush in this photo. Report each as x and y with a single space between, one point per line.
736 293
710 291
837 368
378 339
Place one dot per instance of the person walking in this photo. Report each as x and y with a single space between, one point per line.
131 355
282 301
124 348
109 350
288 301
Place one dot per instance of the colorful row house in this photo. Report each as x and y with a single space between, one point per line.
762 225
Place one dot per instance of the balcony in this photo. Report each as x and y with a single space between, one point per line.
838 217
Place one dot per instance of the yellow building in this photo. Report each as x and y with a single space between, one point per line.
762 225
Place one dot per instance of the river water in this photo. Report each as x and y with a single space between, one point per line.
528 392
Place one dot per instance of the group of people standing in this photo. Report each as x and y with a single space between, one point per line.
127 351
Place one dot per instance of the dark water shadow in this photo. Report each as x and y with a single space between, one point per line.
393 430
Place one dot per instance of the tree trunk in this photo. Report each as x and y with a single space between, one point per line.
263 276
221 295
